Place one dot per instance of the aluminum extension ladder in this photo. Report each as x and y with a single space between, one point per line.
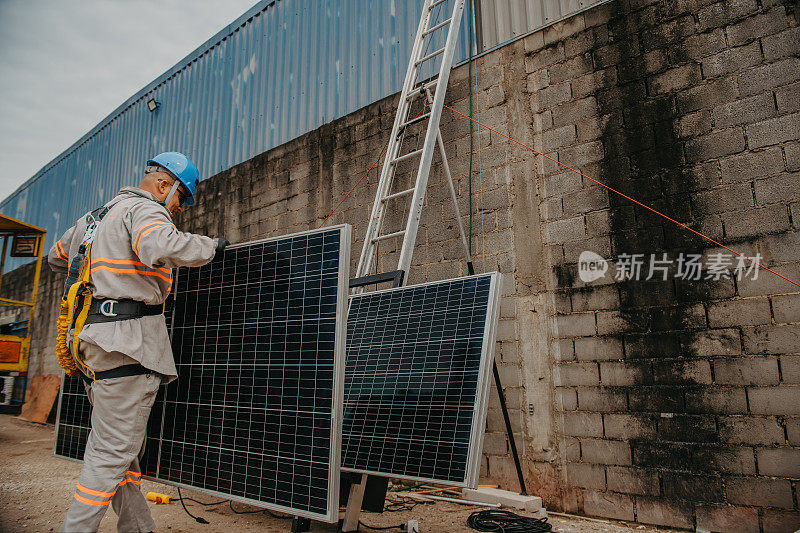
432 93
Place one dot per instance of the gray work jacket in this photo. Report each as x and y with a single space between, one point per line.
134 251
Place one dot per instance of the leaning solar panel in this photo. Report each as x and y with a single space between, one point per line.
258 336
73 420
417 379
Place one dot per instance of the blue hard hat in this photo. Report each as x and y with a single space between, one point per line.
182 169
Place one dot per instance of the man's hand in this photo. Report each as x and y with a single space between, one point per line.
222 243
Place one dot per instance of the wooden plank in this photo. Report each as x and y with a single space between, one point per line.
42 395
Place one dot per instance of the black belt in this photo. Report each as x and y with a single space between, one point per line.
113 310
119 372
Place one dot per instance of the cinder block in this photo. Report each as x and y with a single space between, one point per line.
721 13
780 521
746 371
790 369
779 188
575 374
788 98
598 349
629 426
606 452
588 476
731 60
771 339
626 373
715 341
675 79
756 222
751 430
780 45
723 400
608 504
691 486
632 480
576 325
566 230
559 138
727 518
503 497
764 78
780 462
762 492
784 400
751 165
567 398
706 95
664 512
582 424
602 399
744 111
769 23
726 198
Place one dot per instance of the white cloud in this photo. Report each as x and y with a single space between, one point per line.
66 65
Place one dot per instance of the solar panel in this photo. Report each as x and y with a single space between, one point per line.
258 337
72 420
417 379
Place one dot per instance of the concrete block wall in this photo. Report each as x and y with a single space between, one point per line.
677 397
666 402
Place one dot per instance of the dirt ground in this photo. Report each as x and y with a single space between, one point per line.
36 489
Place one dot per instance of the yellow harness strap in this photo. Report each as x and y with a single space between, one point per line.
79 299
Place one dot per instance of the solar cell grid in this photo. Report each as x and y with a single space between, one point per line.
416 379
255 334
258 340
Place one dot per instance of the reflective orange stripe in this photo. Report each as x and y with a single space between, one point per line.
128 262
132 473
90 502
60 251
95 492
134 481
142 232
131 271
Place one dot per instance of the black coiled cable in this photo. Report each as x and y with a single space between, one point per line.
506 522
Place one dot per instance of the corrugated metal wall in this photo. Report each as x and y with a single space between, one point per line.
281 70
501 21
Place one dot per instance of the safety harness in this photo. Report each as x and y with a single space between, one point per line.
78 309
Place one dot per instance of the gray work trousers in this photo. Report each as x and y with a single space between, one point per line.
111 474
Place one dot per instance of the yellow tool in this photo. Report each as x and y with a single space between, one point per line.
158 497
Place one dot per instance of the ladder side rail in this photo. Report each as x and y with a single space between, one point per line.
387 170
412 225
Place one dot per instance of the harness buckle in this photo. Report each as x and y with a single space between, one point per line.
107 308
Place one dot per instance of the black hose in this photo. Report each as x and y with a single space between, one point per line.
506 522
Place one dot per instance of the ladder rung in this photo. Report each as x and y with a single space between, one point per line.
406 156
440 25
429 56
420 91
388 235
436 3
414 120
398 194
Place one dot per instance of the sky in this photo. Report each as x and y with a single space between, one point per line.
66 64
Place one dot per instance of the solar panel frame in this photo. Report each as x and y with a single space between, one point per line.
345 236
480 405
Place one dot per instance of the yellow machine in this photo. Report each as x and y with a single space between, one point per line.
19 240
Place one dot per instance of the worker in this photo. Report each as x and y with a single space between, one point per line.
123 351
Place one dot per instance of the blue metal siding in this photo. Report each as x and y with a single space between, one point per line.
282 69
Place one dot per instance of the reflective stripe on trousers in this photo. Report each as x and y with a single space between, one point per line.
111 474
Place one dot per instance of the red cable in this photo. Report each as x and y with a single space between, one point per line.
622 194
637 202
